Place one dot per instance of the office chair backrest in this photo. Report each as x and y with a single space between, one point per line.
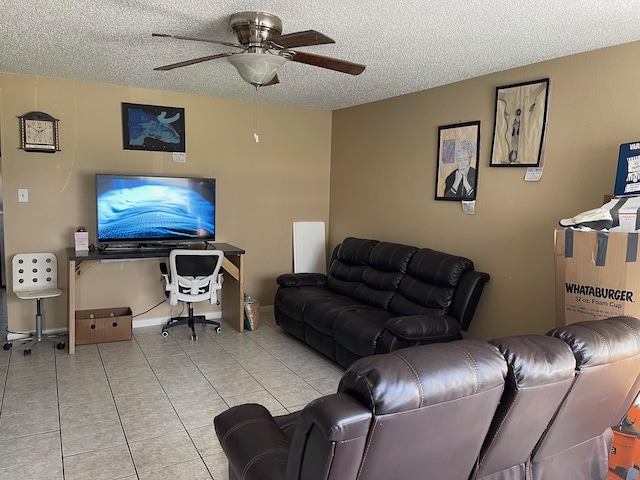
194 275
34 271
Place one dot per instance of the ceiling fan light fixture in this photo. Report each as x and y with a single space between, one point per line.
257 68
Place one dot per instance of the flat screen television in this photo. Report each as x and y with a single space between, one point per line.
135 209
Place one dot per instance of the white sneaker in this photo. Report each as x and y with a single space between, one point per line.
598 219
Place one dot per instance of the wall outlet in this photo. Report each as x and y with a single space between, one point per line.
23 195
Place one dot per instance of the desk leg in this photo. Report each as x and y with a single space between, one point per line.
71 291
233 291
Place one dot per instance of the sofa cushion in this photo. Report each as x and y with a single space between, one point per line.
302 280
358 329
292 300
391 257
321 312
380 279
351 259
356 251
437 268
416 328
429 284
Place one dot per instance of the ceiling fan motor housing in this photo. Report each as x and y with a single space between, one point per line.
255 29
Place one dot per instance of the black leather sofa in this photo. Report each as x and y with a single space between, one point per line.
529 407
378 297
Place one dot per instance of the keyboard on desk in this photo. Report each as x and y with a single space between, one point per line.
136 250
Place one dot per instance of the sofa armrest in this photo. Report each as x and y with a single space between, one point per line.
302 280
331 432
254 444
466 297
420 328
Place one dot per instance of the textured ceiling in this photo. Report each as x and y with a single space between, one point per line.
407 45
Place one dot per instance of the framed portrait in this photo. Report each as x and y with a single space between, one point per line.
154 128
458 150
520 124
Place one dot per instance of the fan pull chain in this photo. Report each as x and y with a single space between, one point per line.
256 138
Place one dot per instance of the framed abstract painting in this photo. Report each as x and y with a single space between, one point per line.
151 127
520 124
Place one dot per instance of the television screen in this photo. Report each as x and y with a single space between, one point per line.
148 209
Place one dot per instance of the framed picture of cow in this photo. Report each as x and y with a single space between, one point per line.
154 128
520 124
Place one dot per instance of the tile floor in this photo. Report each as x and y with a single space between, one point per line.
143 409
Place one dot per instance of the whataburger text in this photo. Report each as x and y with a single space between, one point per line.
600 292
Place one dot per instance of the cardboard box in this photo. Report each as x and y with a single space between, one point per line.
626 210
628 172
597 275
103 325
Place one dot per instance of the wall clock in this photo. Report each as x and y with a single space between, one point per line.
39 133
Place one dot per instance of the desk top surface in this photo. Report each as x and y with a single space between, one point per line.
160 252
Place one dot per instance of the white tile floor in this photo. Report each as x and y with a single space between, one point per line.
143 409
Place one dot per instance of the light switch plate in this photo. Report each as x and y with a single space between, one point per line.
23 195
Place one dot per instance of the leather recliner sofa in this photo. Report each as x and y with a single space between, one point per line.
516 408
378 297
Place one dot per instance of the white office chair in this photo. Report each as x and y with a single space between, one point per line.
193 276
35 276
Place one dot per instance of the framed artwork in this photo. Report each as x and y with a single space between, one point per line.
457 174
520 124
154 128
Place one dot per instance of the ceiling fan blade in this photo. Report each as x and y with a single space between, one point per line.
193 61
328 62
302 39
179 37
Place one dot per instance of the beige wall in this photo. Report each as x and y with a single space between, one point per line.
376 161
262 188
384 164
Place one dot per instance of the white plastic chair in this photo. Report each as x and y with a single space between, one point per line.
35 276
193 276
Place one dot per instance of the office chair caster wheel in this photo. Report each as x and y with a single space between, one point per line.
27 351
60 345
165 333
218 330
7 346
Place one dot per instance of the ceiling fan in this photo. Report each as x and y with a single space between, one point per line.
262 49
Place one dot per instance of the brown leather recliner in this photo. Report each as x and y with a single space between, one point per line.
541 371
420 412
577 443
423 412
